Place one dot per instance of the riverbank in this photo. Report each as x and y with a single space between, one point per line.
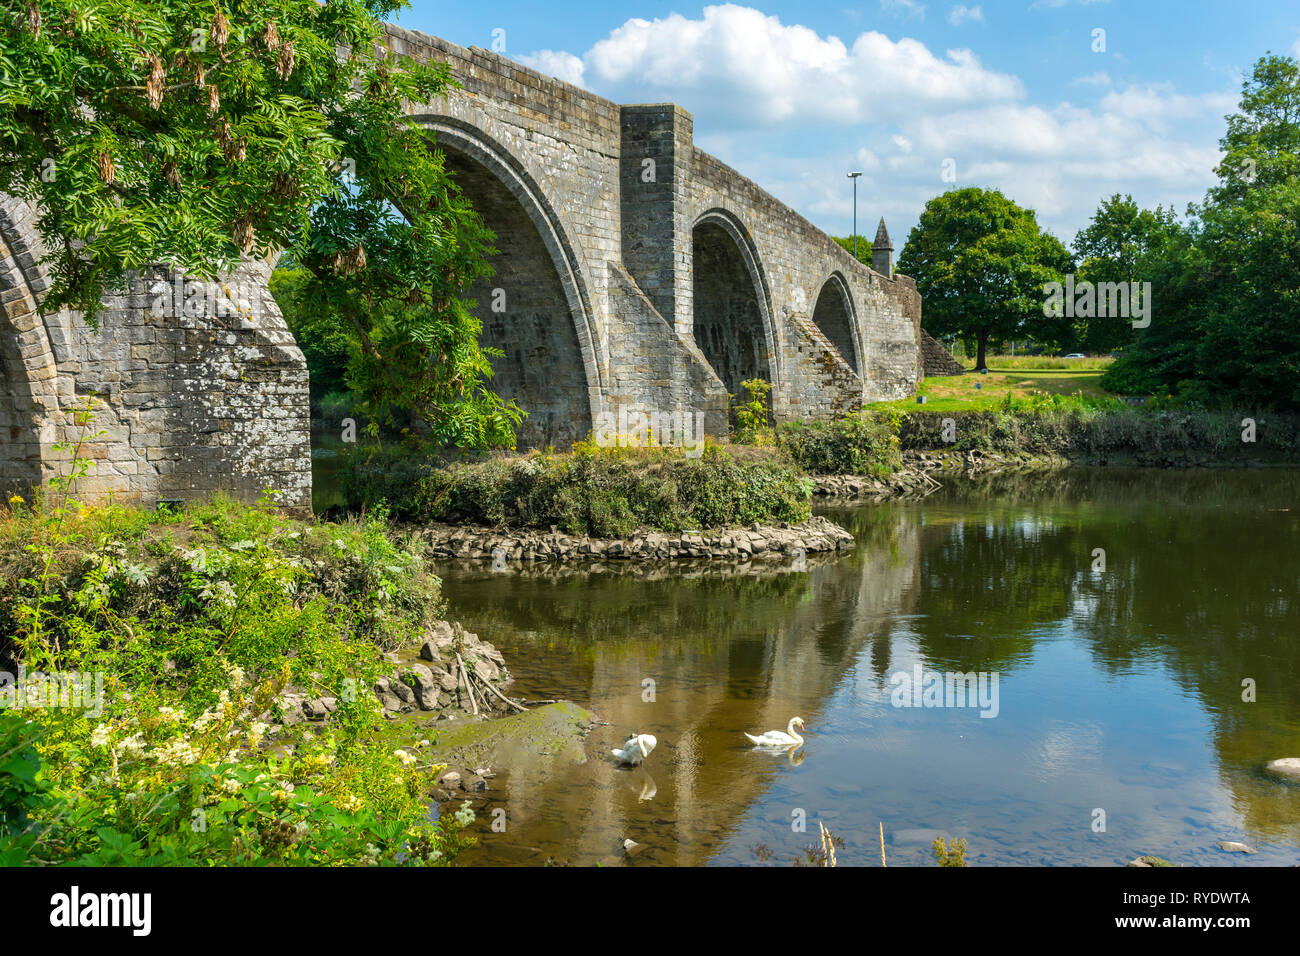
756 541
228 664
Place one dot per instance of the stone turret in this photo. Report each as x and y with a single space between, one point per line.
882 252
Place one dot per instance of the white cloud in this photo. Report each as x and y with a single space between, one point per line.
564 66
791 109
903 8
962 14
742 67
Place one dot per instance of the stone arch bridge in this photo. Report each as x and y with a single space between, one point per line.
635 273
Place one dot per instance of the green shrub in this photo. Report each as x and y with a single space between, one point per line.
1112 429
607 492
858 444
195 622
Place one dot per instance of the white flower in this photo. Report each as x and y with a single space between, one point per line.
465 815
406 758
99 736
133 744
231 785
176 752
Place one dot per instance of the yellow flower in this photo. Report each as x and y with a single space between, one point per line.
16 500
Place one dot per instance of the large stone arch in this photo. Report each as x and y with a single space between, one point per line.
29 380
834 314
731 302
551 364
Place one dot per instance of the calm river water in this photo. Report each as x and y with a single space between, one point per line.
1119 692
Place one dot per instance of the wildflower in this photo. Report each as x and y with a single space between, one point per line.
99 736
350 804
465 815
171 714
16 500
134 744
406 758
231 785
176 752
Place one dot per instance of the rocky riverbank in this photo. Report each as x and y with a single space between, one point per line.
454 674
755 541
922 471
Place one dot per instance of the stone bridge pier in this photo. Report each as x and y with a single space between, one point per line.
635 273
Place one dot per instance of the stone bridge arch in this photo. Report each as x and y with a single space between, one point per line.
732 303
552 364
29 379
835 315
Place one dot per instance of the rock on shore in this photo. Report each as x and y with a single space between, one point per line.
814 535
920 468
430 681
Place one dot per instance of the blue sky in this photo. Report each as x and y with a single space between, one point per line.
1002 93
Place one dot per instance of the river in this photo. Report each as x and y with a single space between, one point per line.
1133 710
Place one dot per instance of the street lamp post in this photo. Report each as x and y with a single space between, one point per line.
854 177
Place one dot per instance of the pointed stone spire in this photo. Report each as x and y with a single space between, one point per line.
882 252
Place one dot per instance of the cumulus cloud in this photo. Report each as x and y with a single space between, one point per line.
563 66
962 14
756 70
794 110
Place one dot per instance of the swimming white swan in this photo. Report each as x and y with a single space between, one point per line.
635 749
778 738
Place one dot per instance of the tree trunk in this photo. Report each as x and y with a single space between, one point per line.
983 347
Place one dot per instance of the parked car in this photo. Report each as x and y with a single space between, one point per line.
1076 355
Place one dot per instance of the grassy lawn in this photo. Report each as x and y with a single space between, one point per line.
946 393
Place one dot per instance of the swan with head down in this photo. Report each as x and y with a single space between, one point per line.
635 749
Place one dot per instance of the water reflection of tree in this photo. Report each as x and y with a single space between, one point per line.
1201 575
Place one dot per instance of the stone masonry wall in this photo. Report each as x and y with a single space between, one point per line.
635 271
186 400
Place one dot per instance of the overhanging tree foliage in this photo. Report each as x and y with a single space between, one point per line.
198 132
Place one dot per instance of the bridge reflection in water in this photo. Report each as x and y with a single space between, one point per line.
1118 690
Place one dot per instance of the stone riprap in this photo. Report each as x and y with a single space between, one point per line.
432 682
635 274
817 534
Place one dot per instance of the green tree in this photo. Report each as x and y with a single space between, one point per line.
1122 243
980 263
199 132
1226 325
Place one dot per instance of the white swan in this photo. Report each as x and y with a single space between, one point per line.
635 749
778 738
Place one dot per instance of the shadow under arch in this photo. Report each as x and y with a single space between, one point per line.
835 315
729 292
547 313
